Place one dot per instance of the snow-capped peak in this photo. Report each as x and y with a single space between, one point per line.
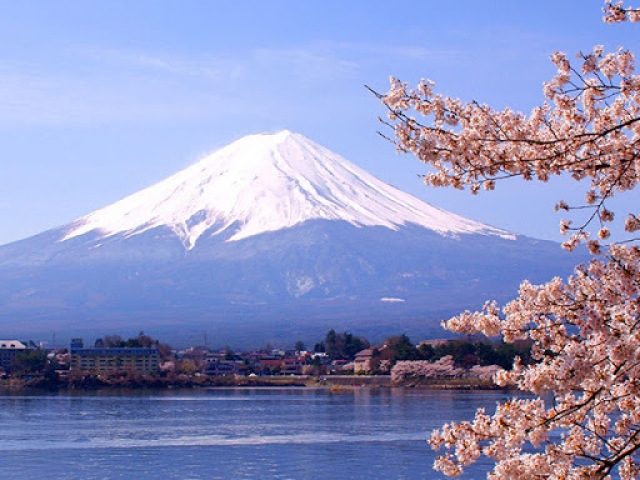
264 183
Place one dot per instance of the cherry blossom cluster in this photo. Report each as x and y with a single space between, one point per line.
588 128
582 420
484 372
617 12
586 346
442 368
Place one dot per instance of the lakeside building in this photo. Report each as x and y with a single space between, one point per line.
363 363
9 349
138 360
270 366
292 366
370 359
217 366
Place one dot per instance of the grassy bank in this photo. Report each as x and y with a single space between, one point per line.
96 382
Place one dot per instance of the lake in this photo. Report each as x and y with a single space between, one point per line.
236 433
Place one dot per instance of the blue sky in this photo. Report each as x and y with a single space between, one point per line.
101 99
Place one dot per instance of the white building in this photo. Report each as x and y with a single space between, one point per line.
8 351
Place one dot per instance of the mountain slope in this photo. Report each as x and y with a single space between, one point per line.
269 238
264 183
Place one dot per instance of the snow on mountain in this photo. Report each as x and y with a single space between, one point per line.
264 183
270 239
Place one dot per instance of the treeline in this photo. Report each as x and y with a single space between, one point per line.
465 352
116 341
32 361
141 341
341 346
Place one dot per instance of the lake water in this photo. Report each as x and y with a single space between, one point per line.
284 433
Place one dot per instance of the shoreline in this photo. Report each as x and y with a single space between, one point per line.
333 382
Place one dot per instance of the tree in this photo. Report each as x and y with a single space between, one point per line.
402 348
29 362
343 346
331 344
229 354
110 341
141 341
584 332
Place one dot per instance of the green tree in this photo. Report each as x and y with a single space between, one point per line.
343 346
402 348
30 362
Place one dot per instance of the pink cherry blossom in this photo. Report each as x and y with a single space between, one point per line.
583 420
588 127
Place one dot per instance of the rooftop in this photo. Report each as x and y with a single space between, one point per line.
12 345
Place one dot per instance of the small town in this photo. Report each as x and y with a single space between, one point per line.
340 359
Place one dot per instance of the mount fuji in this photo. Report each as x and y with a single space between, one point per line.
272 238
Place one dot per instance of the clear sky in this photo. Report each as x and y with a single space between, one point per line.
101 99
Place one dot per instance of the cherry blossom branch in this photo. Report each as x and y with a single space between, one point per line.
616 12
590 130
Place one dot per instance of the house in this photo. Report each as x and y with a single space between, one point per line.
363 363
216 366
138 360
270 366
9 349
341 366
369 360
292 366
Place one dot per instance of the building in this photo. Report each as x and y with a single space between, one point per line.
341 366
363 363
9 349
292 366
369 360
138 360
218 367
270 366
